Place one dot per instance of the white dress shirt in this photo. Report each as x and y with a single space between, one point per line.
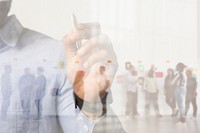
23 48
26 50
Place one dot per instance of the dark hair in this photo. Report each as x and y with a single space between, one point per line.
170 70
180 67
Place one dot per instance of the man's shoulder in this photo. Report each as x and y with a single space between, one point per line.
31 35
36 41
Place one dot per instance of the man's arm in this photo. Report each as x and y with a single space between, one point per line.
83 69
72 118
83 65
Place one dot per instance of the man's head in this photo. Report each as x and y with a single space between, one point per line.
133 71
4 10
40 70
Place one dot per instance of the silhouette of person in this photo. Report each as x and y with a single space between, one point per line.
6 90
39 90
26 85
179 82
191 93
169 91
152 93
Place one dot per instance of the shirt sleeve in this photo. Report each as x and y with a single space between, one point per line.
73 120
70 116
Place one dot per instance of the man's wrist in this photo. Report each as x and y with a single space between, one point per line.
95 109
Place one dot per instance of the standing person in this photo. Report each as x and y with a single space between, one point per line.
179 82
191 93
39 90
26 85
6 90
151 93
63 111
169 91
132 91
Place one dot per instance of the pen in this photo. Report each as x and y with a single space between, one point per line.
75 24
79 43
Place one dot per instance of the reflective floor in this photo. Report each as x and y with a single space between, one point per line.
153 124
166 124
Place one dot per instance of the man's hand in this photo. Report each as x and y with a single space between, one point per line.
91 68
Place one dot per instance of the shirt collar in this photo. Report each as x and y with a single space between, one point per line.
11 31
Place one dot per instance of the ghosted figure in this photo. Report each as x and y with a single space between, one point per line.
132 91
191 93
151 93
6 90
179 82
169 91
26 85
39 90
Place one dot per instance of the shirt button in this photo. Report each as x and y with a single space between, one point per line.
86 128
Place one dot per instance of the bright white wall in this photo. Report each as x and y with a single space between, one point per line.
149 30
52 17
198 2
152 30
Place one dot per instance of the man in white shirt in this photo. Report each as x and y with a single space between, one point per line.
74 101
131 84
151 93
6 90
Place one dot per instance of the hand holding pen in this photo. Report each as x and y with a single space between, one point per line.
95 52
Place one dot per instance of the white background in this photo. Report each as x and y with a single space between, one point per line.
152 31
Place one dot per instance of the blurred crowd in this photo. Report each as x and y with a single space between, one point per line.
180 90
